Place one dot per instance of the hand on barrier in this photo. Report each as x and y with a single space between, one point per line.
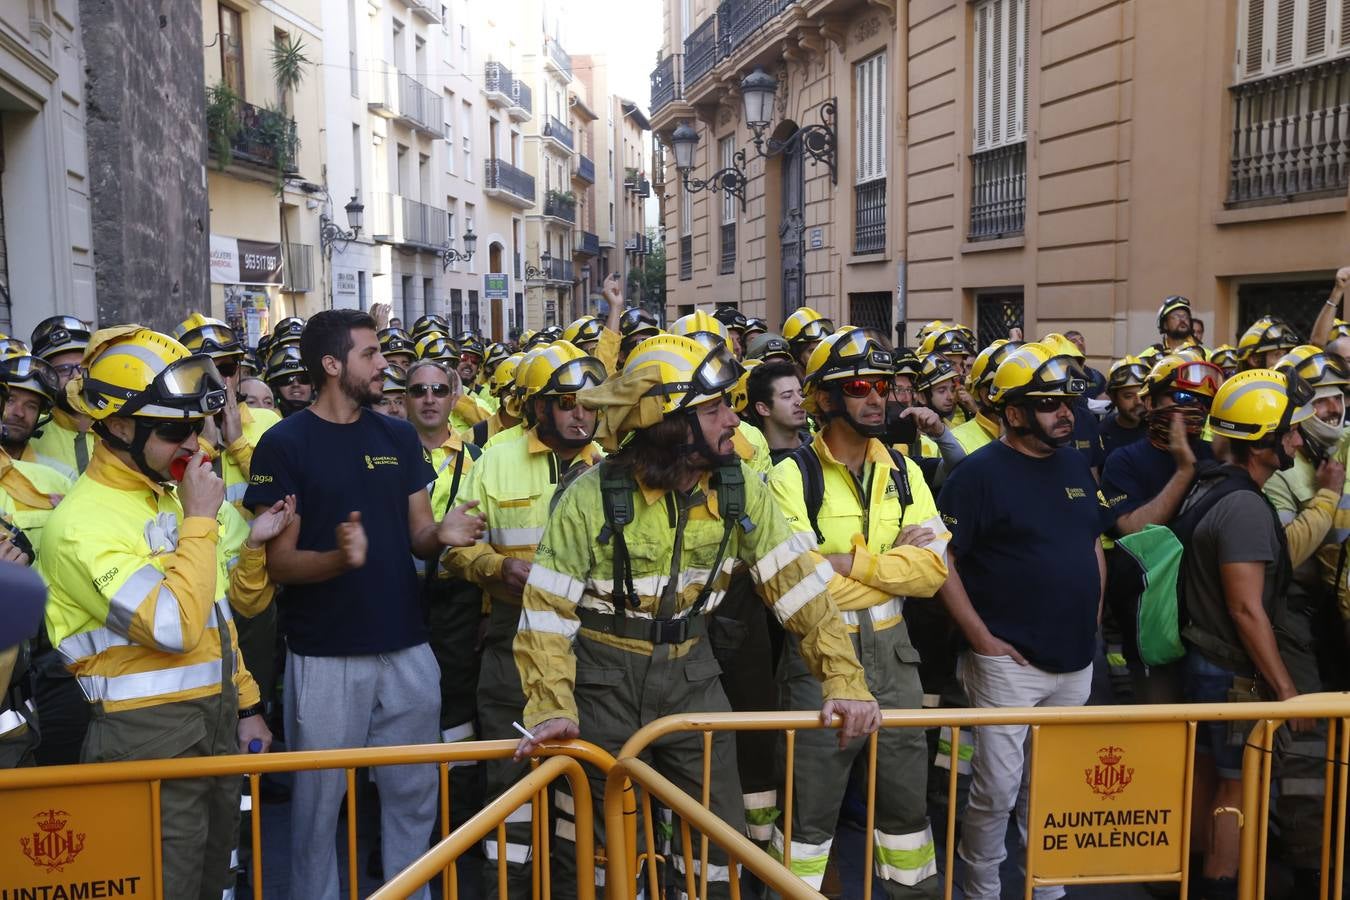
548 731
856 718
254 728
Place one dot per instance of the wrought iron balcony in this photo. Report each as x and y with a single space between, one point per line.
700 51
1291 138
558 131
739 20
522 104
399 220
585 169
998 192
505 182
588 244
299 268
560 206
666 85
869 217
264 138
558 58
556 270
497 83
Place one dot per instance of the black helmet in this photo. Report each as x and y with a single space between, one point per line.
59 334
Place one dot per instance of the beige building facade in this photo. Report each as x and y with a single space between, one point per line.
1053 164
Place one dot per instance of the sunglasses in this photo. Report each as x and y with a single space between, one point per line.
1189 398
861 387
566 402
294 379
1048 404
421 390
178 431
227 369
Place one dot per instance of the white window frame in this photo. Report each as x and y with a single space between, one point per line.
869 79
1280 35
999 82
726 151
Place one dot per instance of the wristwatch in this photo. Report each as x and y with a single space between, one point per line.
254 710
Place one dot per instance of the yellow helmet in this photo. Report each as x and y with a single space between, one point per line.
1326 372
702 327
932 327
1191 351
395 380
740 394
29 373
1170 305
1260 402
1265 334
12 347
848 353
1035 370
936 369
437 346
394 341
210 337
503 383
1174 372
1339 329
1225 356
1127 372
1062 346
1149 355
583 330
982 371
133 371
951 341
559 368
806 325
284 361
689 373
196 320
497 353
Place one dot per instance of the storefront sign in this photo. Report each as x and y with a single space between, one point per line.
1109 800
496 286
237 261
83 841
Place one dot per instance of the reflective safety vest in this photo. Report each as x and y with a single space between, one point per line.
753 448
56 446
506 434
976 433
483 394
26 489
139 594
514 483
468 411
672 541
863 517
238 456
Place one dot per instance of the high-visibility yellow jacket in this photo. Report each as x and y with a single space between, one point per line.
443 460
506 434
26 491
513 483
55 447
753 449
1316 523
483 393
139 592
669 538
238 456
468 411
977 432
863 517
607 350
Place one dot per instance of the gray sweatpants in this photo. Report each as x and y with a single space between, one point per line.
360 701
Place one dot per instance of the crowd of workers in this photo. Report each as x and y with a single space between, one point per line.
589 528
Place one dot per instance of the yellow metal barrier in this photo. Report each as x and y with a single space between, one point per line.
1158 767
95 828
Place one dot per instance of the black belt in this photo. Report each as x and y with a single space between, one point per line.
653 631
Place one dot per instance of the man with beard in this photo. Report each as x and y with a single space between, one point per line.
1236 577
32 387
613 633
1025 584
29 491
1125 423
1174 324
843 484
359 671
515 484
289 379
66 443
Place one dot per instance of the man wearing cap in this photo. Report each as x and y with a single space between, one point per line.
66 443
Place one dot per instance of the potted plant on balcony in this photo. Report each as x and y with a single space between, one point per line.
222 122
565 199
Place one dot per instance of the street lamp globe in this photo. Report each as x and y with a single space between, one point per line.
684 139
544 259
355 214
757 93
470 242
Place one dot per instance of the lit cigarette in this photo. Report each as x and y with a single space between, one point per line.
523 730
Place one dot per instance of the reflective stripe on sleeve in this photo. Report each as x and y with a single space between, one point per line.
548 622
803 592
882 612
515 537
555 583
140 685
127 599
771 563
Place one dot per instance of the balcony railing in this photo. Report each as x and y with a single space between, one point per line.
666 86
558 57
588 244
727 265
700 51
395 95
998 192
1291 135
265 138
560 207
522 104
557 270
426 10
869 217
686 257
738 20
586 168
299 271
558 131
497 83
399 220
505 182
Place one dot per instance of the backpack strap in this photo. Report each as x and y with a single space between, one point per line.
617 487
479 432
813 485
730 485
900 477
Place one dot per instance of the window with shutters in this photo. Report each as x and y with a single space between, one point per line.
869 178
726 151
998 159
686 235
1291 127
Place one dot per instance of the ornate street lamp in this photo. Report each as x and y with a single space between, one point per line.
331 233
730 180
535 273
758 91
449 254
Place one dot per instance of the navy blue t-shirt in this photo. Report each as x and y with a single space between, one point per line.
1024 537
1115 435
371 466
1087 439
1136 473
